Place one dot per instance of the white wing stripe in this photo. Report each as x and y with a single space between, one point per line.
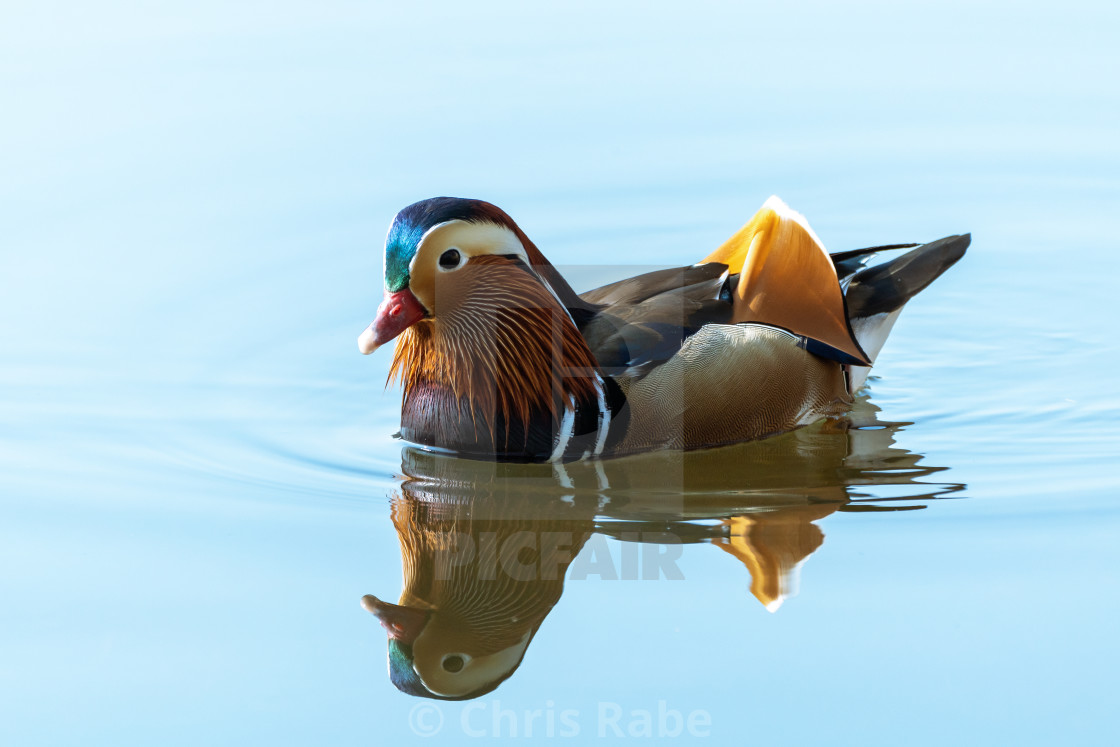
564 436
604 415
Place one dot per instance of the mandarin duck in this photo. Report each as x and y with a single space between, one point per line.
501 359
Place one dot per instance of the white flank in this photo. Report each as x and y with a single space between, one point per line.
871 332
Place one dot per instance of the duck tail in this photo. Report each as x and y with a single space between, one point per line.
876 295
848 263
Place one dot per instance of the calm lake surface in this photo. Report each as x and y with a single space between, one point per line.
198 475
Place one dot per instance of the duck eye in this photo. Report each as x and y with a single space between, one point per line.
450 259
452 663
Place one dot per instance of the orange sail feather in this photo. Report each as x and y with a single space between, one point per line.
787 279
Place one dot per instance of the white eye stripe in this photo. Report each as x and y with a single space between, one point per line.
473 239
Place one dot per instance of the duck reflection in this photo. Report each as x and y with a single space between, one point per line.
481 573
486 547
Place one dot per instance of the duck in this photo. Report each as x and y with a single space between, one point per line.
499 358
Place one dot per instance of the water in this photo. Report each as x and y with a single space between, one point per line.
198 475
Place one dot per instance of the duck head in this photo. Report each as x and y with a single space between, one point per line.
488 353
433 238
